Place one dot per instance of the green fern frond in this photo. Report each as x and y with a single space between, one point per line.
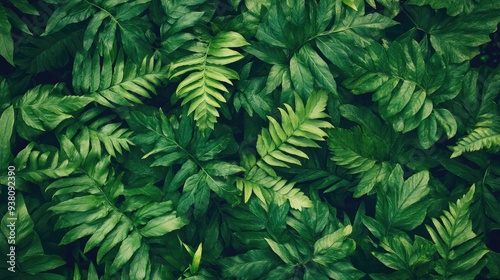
204 87
486 131
91 132
361 153
172 142
87 205
460 250
279 145
266 187
181 15
486 135
45 107
116 81
39 165
406 98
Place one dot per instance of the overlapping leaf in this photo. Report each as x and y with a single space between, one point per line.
460 249
459 36
87 206
114 81
106 18
400 203
92 132
408 88
409 258
281 145
486 131
176 143
363 149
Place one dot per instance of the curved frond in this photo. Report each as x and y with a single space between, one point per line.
116 81
204 87
280 144
93 132
460 249
87 205
36 165
258 182
486 135
44 107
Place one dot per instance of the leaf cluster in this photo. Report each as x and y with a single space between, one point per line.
256 139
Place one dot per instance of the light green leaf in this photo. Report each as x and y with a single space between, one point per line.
140 264
162 225
333 247
302 78
453 233
44 107
318 67
78 204
128 247
195 264
401 205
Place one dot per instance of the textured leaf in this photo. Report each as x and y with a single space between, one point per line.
116 80
402 205
333 247
460 36
203 88
455 241
405 255
43 107
162 225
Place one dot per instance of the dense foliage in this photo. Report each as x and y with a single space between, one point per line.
255 139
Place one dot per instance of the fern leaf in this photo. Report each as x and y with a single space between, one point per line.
116 81
257 181
91 133
461 251
486 131
39 165
204 87
363 149
44 107
409 258
127 227
406 98
486 135
279 145
172 142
